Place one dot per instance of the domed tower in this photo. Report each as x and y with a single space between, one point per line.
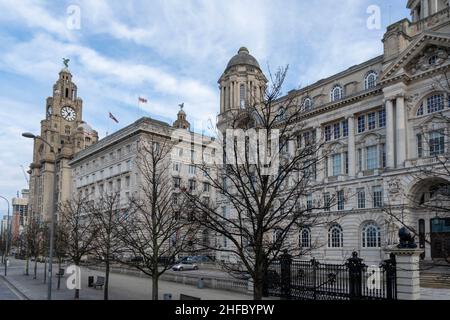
242 84
181 122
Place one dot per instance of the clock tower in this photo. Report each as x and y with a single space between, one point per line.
64 129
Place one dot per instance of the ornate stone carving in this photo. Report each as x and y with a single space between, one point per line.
431 57
394 186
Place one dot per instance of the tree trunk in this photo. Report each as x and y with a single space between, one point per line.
59 277
45 271
27 266
258 290
35 268
155 287
105 291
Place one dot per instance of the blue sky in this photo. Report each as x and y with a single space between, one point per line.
168 51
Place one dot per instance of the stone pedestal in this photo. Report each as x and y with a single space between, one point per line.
408 273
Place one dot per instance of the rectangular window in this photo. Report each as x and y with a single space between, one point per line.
192 185
377 197
176 167
337 164
325 163
346 162
372 161
327 133
307 138
371 120
382 118
340 200
436 143
361 124
337 130
361 198
127 181
177 182
192 169
205 187
360 162
345 128
128 148
309 202
419 146
327 201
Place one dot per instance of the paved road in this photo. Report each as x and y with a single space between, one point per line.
122 287
8 292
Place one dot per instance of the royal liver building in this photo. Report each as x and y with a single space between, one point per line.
385 139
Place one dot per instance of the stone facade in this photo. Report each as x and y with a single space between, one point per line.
378 120
66 133
112 164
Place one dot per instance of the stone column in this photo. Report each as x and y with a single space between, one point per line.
408 274
351 147
401 130
390 134
222 105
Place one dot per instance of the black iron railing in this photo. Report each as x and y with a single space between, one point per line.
311 280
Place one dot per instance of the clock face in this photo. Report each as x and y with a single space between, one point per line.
68 114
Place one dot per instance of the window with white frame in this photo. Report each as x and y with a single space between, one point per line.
371 235
432 104
377 194
371 121
309 202
327 201
336 93
192 169
307 104
340 200
361 198
305 238
337 164
335 237
436 142
370 80
361 124
372 158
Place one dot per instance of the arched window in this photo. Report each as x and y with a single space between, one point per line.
371 237
371 80
281 114
305 238
277 234
433 103
336 93
307 104
335 237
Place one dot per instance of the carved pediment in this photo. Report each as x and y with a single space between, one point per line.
430 58
430 50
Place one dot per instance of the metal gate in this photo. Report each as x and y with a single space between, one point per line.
312 280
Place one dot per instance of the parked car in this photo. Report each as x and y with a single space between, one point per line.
183 266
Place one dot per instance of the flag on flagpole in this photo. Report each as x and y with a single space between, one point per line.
142 100
113 118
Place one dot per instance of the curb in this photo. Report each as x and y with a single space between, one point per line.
14 289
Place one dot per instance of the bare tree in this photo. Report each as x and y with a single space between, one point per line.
106 213
267 180
77 231
153 228
33 240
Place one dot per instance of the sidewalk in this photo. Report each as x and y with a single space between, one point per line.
122 287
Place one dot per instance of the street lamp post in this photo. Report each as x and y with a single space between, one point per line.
8 235
52 218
